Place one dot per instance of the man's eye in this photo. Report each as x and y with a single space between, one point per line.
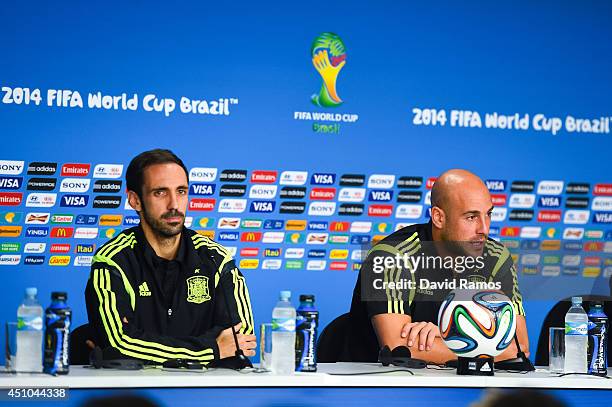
159 193
471 217
182 191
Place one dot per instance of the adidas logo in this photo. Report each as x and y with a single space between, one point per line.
144 290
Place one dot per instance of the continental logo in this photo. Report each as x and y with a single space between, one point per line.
10 231
208 233
59 260
338 254
295 225
249 264
111 220
550 245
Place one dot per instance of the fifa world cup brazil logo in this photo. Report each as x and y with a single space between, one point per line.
328 57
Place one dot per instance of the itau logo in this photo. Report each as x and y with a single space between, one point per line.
328 57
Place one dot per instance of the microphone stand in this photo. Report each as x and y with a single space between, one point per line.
238 361
521 362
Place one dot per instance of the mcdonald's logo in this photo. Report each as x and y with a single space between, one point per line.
511 231
62 232
250 237
339 226
593 246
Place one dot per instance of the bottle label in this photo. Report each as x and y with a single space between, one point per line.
576 328
283 324
29 323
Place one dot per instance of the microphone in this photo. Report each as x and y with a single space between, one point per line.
239 361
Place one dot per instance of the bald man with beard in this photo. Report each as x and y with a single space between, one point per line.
461 210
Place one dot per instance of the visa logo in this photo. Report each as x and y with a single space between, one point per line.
323 179
496 185
10 182
202 189
37 231
273 224
380 196
549 202
262 206
74 200
602 217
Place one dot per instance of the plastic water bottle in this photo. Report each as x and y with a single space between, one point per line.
29 333
283 335
576 340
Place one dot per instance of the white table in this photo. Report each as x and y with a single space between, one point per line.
81 378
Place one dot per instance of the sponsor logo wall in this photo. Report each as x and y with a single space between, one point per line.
309 220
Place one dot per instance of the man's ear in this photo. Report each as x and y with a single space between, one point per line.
134 201
438 217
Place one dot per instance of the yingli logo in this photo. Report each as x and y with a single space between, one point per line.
75 170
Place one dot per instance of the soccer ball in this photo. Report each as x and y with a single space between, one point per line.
476 323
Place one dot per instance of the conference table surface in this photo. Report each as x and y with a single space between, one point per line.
328 375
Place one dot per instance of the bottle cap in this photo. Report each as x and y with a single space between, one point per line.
576 300
285 295
59 296
31 291
596 303
307 297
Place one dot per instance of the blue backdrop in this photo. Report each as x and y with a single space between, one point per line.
547 60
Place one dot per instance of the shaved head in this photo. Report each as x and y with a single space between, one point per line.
461 209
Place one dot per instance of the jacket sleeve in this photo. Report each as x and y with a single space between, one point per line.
232 292
110 303
504 272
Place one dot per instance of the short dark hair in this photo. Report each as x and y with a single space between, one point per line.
134 174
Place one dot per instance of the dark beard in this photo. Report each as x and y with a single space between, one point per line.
162 228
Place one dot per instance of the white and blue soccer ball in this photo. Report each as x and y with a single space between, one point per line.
477 323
